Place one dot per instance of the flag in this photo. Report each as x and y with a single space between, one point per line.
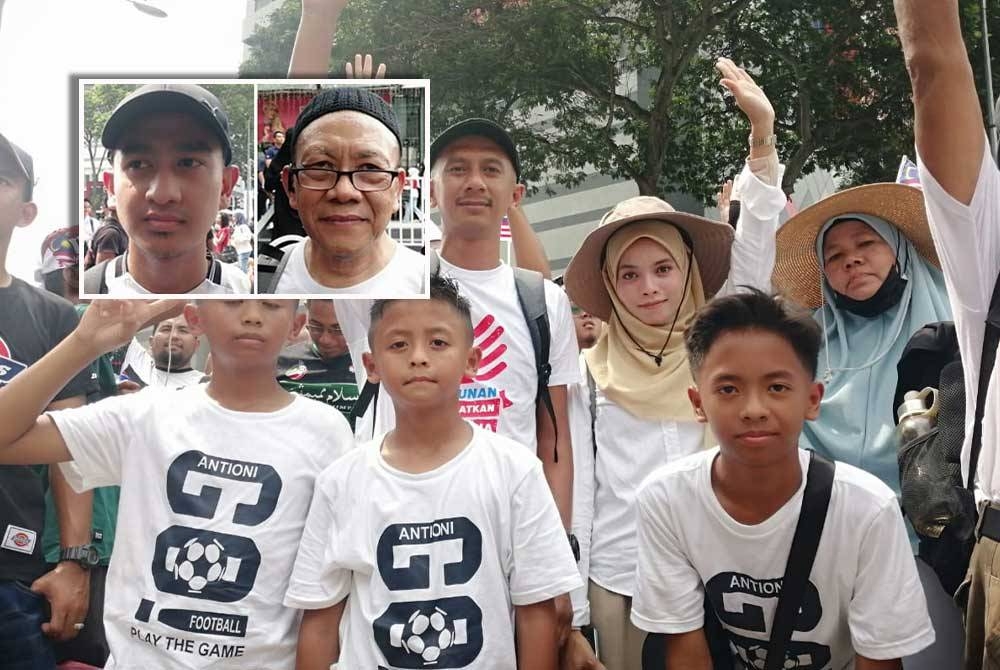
908 173
505 228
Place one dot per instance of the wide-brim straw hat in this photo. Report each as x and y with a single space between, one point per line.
711 243
797 272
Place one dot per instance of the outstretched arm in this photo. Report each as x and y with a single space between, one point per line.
27 437
948 120
528 250
311 52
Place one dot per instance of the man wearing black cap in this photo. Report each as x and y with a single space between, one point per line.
340 171
172 172
33 321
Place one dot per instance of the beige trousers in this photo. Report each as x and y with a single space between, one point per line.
982 615
619 641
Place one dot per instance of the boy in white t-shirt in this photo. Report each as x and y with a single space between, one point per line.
720 522
216 480
437 541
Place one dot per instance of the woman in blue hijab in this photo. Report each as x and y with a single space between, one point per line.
865 261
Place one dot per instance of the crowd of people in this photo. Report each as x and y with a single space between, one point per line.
683 454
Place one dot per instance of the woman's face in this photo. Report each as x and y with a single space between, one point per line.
856 259
649 282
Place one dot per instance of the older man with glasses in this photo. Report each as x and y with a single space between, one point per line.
342 175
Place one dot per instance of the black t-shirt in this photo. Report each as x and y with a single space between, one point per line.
302 371
32 322
110 237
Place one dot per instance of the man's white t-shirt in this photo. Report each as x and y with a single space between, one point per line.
502 396
863 596
405 276
140 363
432 562
967 239
213 503
578 406
242 239
232 280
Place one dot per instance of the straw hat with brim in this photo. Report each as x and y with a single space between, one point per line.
797 273
711 243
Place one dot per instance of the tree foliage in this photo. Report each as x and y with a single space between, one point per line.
628 88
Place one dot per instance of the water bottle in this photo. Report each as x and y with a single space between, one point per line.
916 417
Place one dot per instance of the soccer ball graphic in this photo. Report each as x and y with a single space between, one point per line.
755 657
199 564
427 633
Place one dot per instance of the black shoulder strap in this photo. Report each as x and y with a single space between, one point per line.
531 296
368 393
94 282
808 531
592 394
991 338
272 286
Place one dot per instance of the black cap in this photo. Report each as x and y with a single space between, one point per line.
477 128
22 159
330 100
169 97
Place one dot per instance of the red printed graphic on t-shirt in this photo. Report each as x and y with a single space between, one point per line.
484 403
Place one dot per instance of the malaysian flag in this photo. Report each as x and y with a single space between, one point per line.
505 228
908 173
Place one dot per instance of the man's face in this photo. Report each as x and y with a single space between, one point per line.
246 336
170 181
173 344
14 210
343 221
279 139
324 330
474 185
755 393
588 328
87 209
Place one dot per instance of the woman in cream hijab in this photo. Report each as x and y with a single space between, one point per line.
645 271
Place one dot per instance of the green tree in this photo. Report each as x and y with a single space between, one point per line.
270 46
238 101
628 88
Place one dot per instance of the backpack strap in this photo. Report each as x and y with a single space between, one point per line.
592 394
531 296
272 286
94 281
991 339
368 393
808 531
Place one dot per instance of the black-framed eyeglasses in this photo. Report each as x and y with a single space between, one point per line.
317 330
323 179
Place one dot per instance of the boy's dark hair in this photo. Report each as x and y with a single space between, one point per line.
442 289
752 309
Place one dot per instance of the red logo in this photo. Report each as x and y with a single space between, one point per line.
481 403
20 539
4 349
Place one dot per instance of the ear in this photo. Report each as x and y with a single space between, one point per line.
370 368
297 323
230 175
519 190
397 188
434 201
699 410
193 318
286 183
475 355
29 211
816 392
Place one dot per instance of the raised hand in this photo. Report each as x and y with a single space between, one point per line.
749 96
362 68
108 324
722 200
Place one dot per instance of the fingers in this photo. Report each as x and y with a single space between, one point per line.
727 189
381 71
349 70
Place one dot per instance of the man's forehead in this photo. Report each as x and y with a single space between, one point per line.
322 310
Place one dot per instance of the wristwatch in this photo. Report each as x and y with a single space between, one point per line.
85 556
574 545
768 141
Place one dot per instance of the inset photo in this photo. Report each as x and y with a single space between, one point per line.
166 169
342 188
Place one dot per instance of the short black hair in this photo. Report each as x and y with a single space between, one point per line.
752 309
442 289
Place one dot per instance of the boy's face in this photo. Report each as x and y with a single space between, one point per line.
474 184
245 334
420 352
170 180
15 211
755 393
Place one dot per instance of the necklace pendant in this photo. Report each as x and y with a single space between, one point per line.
657 360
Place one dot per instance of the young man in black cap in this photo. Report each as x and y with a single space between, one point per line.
340 170
172 173
33 321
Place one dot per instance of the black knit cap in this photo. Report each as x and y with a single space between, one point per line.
330 100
